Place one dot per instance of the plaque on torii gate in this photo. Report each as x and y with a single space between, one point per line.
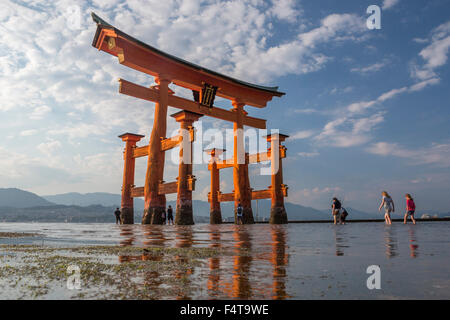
205 84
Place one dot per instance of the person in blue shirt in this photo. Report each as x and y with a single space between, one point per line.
239 211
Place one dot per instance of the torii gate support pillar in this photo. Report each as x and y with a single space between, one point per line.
215 212
127 210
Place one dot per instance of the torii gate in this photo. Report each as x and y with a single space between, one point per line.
205 84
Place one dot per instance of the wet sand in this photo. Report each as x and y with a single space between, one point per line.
295 261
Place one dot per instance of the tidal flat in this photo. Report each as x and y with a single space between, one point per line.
294 261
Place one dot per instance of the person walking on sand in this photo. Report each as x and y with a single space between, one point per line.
169 215
239 210
335 209
388 204
117 214
410 208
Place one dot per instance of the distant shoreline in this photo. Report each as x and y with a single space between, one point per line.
359 220
256 222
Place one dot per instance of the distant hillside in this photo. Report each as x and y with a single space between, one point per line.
89 199
295 211
57 213
16 198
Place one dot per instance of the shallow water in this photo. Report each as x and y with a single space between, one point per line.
295 261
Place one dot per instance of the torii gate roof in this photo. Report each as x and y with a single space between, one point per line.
143 57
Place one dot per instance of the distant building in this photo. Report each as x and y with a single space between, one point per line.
425 216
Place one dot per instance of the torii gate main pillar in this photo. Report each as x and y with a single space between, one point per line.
279 190
242 191
186 180
155 203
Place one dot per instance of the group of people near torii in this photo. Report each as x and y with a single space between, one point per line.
167 217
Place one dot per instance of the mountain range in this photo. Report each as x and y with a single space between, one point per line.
20 205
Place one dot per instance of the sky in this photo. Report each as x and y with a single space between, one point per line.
366 110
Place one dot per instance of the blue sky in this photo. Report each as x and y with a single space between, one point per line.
367 110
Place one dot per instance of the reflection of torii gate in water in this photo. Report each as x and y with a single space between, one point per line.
205 84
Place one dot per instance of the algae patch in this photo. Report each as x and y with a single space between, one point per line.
18 234
105 272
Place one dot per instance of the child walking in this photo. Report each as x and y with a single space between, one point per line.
410 208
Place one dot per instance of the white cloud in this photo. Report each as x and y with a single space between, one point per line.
348 131
388 4
26 133
79 130
305 111
49 148
308 154
341 90
371 68
299 135
421 85
313 196
40 112
420 40
435 54
391 94
298 56
285 10
436 154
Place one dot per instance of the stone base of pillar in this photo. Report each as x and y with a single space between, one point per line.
278 215
215 217
153 215
247 216
184 215
127 215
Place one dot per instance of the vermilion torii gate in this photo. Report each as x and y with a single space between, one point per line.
205 85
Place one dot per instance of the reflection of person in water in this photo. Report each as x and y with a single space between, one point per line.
340 242
126 235
412 244
117 214
390 243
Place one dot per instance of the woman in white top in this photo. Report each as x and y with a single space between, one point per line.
388 205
